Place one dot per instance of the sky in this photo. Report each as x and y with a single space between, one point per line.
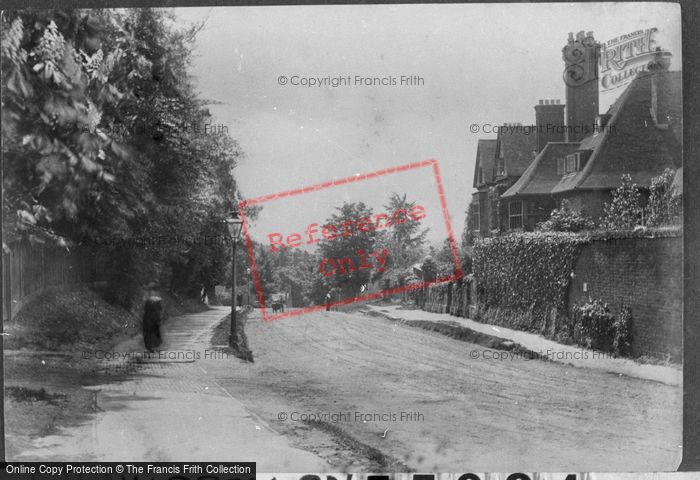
477 64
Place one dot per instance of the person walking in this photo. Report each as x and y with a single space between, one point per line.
152 317
330 296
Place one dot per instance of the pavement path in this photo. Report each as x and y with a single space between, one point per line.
570 354
173 409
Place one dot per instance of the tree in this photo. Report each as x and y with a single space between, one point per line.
408 234
102 144
624 212
443 257
297 277
348 276
404 241
564 219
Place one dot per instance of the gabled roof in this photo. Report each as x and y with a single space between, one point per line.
485 156
541 176
517 148
633 141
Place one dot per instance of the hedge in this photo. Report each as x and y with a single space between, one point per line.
526 272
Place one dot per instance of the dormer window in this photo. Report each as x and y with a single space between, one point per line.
569 164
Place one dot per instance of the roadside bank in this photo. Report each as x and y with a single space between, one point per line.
527 345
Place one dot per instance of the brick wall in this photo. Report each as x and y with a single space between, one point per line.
645 274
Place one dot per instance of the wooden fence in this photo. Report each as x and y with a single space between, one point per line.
453 298
28 269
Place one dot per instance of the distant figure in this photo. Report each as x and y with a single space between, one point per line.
329 299
152 316
277 306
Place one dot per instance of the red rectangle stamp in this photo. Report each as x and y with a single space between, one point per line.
357 247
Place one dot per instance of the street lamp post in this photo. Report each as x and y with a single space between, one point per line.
234 225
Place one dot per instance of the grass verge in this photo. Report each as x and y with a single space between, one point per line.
222 332
464 334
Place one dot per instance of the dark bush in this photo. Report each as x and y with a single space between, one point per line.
622 340
597 328
593 325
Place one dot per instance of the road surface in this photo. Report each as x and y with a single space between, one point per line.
388 397
476 414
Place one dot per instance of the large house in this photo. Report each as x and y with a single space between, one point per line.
584 160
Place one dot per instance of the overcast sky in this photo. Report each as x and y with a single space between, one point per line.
480 64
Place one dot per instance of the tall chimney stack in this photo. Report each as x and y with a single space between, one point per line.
580 56
549 117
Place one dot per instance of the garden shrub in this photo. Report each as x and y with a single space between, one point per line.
593 325
597 328
665 203
565 219
622 339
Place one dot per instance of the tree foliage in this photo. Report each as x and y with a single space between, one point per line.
103 142
351 281
404 241
443 257
665 206
624 212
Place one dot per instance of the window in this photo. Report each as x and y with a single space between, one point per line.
480 176
476 215
500 167
573 162
515 215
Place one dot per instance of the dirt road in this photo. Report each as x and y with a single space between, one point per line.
460 412
331 391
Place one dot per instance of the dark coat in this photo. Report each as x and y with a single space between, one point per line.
152 316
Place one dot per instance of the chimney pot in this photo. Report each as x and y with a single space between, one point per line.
541 101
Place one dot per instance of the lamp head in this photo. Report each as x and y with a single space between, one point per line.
234 224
